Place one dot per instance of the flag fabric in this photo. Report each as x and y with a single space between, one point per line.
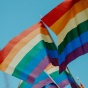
0 54
41 81
47 85
62 80
28 54
69 21
51 85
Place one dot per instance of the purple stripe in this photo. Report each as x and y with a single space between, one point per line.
54 61
53 87
30 79
64 83
43 64
43 83
73 55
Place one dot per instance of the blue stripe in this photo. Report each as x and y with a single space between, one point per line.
36 61
70 79
33 64
53 53
40 78
60 78
28 86
77 42
44 76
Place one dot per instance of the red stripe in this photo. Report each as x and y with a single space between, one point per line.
0 55
15 40
58 12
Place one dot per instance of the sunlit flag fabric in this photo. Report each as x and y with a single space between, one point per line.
28 54
69 21
62 80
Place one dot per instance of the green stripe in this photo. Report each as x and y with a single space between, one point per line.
32 53
50 46
74 33
55 74
68 74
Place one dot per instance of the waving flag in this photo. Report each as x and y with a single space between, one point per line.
69 21
62 80
28 54
40 82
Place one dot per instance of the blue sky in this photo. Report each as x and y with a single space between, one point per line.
18 15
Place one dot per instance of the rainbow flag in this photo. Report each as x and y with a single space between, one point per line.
28 54
47 85
40 82
69 21
61 80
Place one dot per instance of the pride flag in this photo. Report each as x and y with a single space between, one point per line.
61 80
40 82
69 21
47 85
28 54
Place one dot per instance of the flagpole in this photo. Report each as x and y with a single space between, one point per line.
51 79
56 46
19 84
71 74
80 82
44 70
72 77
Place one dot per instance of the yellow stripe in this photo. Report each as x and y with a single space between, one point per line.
54 69
79 18
58 26
17 48
12 60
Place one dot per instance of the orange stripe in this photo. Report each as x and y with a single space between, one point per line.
16 48
3 67
18 38
49 67
58 26
58 11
